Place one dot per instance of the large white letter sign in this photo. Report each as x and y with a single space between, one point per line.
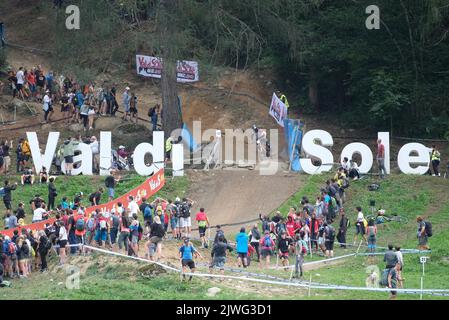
82 161
422 160
177 156
365 153
105 153
156 150
45 160
314 150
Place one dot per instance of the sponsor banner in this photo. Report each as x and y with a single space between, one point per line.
146 66
145 190
278 110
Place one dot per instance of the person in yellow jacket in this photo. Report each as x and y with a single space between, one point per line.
168 148
283 98
435 157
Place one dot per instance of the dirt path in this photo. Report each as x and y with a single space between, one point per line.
230 196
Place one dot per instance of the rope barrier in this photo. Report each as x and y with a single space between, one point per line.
294 284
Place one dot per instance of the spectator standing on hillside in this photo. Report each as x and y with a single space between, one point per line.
7 198
435 157
4 153
52 193
110 183
393 279
381 158
390 257
300 251
84 113
95 148
126 99
47 106
133 108
342 229
254 236
329 238
360 225
68 151
401 262
43 247
20 82
422 234
371 233
113 98
283 246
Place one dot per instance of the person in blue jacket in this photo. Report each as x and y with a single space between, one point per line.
242 247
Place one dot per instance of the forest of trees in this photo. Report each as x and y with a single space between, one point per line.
321 52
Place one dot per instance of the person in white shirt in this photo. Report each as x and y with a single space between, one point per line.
37 214
132 207
62 241
360 225
345 164
20 75
95 147
47 107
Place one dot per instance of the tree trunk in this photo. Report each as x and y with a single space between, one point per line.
171 118
313 89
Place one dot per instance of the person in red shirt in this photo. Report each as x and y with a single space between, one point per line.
31 79
381 158
203 224
290 225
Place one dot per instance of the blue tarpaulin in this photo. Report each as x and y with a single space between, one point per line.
187 138
293 138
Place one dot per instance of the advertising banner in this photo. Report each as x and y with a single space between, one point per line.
187 71
145 190
278 110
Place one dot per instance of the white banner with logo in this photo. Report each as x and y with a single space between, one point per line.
278 110
187 71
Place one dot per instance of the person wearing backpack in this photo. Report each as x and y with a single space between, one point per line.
329 236
218 254
359 225
101 229
254 236
186 221
80 228
424 231
267 245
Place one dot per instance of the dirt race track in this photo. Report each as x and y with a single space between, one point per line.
230 196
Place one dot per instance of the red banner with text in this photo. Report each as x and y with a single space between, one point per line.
145 190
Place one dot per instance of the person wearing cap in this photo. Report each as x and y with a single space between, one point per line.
219 232
47 106
126 103
186 254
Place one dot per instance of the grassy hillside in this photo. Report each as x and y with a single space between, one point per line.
114 278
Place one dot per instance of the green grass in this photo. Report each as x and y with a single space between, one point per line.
407 196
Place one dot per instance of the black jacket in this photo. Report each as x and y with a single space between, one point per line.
7 189
219 249
157 230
